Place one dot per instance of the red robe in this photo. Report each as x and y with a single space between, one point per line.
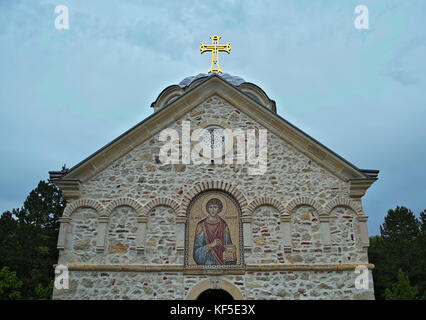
215 231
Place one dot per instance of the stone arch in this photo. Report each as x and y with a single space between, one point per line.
213 185
344 225
266 240
342 202
121 232
161 231
257 202
159 202
300 201
235 227
80 233
214 284
84 203
129 202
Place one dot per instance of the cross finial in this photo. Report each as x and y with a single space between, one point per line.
215 47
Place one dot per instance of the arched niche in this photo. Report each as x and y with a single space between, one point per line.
213 232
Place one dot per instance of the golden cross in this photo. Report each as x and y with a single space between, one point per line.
215 47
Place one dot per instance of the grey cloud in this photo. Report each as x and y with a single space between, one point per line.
403 77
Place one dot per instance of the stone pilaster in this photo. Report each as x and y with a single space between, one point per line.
286 232
63 230
325 232
180 235
365 241
101 234
140 234
247 234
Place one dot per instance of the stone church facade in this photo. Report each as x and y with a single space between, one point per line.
132 224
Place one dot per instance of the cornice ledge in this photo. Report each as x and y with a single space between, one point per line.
358 186
240 270
70 188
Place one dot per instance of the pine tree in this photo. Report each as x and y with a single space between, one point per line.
10 285
400 225
419 277
29 235
43 207
401 245
401 290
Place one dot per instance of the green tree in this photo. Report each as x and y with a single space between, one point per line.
28 237
8 229
381 274
401 245
10 285
401 290
419 277
400 225
43 206
43 293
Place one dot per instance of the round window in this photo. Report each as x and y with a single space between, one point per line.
214 138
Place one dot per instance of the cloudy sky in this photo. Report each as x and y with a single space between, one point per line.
66 93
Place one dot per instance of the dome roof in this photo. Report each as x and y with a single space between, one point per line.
173 92
234 80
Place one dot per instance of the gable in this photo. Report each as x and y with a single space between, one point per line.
214 86
139 173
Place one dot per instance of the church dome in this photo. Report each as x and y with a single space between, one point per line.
173 92
234 80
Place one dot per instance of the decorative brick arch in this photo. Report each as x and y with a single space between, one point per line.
83 203
212 284
159 202
301 201
342 202
257 202
125 201
213 185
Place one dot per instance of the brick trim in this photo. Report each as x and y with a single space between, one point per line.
125 201
257 202
343 202
163 201
213 185
223 284
300 201
83 203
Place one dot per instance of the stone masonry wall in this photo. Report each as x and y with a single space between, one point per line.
120 245
289 285
140 175
161 238
82 236
267 247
